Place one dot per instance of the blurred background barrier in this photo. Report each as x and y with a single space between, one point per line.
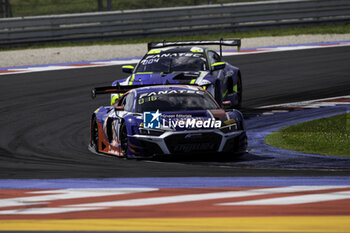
22 8
187 20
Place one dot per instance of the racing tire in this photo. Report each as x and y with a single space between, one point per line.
94 135
124 139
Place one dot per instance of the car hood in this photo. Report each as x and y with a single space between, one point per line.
191 117
213 113
169 120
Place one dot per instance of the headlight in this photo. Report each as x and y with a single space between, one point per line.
205 87
209 88
151 132
229 128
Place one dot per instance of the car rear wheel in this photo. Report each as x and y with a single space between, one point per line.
124 139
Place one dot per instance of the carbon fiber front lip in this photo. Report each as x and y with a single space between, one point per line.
160 140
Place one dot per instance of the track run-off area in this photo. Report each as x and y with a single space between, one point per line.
49 181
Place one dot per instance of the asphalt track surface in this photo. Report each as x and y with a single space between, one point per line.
45 116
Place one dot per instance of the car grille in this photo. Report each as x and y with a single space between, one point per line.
193 142
151 149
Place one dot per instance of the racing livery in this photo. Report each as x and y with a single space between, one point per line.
178 63
165 119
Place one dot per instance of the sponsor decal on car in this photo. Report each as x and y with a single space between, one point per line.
164 92
157 56
151 120
157 120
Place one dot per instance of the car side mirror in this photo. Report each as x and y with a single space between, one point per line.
119 108
218 66
128 69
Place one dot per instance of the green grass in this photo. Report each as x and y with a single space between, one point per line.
46 7
326 136
338 29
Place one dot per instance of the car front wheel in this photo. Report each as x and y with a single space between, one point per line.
124 139
94 135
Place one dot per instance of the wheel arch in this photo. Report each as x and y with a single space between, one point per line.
93 117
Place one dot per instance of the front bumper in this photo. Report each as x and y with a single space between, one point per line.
191 141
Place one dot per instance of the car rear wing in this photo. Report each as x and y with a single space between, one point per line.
118 89
105 90
221 42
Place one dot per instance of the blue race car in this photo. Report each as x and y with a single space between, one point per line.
165 119
172 63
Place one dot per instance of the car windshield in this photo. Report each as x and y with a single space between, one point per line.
169 62
170 101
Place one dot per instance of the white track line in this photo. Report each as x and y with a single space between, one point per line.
302 199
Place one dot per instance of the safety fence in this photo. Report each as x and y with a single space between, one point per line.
160 22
